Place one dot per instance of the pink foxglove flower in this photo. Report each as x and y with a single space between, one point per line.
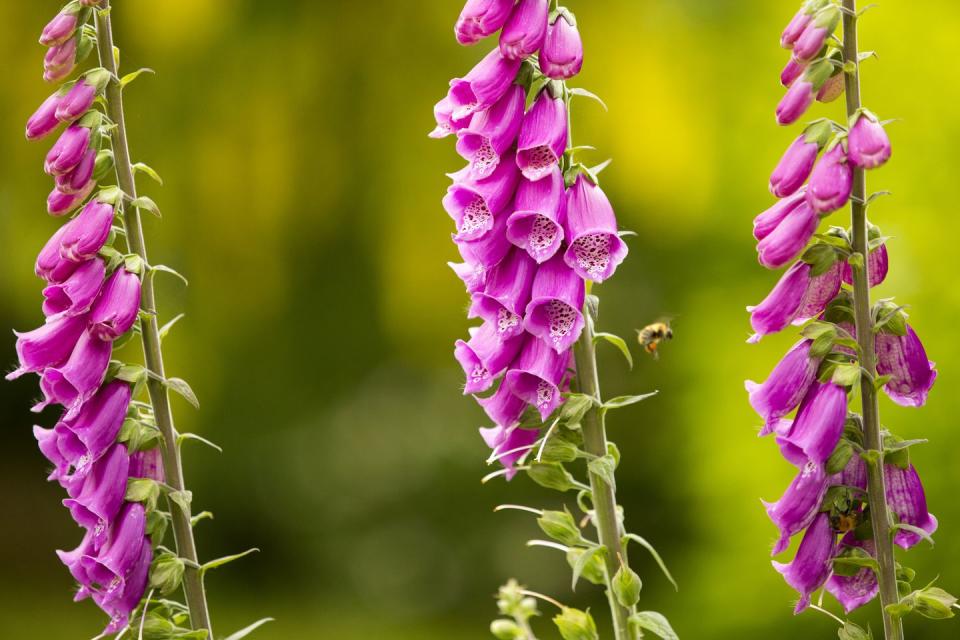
868 142
537 223
525 30
554 312
819 423
481 18
44 120
76 294
117 308
483 86
561 57
506 294
543 137
786 387
813 563
537 374
796 298
492 132
798 506
830 182
596 248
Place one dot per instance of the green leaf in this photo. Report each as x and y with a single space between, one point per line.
140 167
604 466
551 475
165 329
246 631
161 268
587 563
145 202
132 373
133 75
841 455
576 625
166 573
575 407
850 631
560 526
616 341
656 556
181 498
203 515
846 375
583 93
145 490
192 436
219 562
180 386
655 623
624 401
857 557
626 586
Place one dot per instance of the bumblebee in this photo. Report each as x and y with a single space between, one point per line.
652 335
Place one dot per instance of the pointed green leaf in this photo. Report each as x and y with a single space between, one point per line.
133 75
584 558
181 387
147 170
162 268
624 401
604 466
192 436
203 515
145 202
246 631
655 623
583 93
181 498
656 556
219 562
616 341
165 329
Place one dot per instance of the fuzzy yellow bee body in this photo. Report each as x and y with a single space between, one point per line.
652 335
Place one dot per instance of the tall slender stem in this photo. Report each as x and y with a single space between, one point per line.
879 511
604 496
153 356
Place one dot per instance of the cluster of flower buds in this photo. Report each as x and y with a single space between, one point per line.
103 441
531 226
814 70
813 381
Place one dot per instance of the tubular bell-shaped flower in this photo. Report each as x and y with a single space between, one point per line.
596 248
492 132
483 86
868 142
485 356
474 203
904 359
811 566
48 345
543 137
481 18
509 444
44 120
525 30
115 311
786 386
796 298
536 225
906 499
857 590
76 294
798 506
88 435
786 239
75 382
536 375
819 422
561 57
506 294
830 182
553 314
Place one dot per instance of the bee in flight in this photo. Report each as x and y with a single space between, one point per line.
652 335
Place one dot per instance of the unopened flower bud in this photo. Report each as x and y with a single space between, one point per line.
561 57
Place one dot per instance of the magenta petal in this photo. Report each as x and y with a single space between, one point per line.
868 143
793 30
485 356
89 434
446 123
793 70
525 30
118 306
857 590
509 444
76 294
795 102
85 235
543 137
492 132
831 181
788 240
596 249
794 167
503 407
77 101
536 224
60 29
506 294
795 510
75 382
821 290
853 475
121 552
68 150
49 345
536 375
786 386
878 264
483 254
97 496
474 203
905 360
76 180
765 223
906 498
813 562
481 18
44 120
482 86
561 57
554 313
780 307
819 423
60 203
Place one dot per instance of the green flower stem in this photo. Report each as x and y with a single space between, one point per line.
604 496
879 511
153 356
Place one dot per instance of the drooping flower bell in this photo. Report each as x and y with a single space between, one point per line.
85 235
481 18
798 506
596 248
61 28
813 562
783 240
815 34
503 407
525 30
869 146
906 498
75 381
797 297
79 99
506 294
68 150
76 294
857 590
60 61
561 57
904 359
96 497
80 178
118 306
786 386
88 435
878 264
819 424
482 86
473 203
536 224
492 132
831 181
543 137
797 162
485 356
537 374
49 345
44 120
554 313
802 91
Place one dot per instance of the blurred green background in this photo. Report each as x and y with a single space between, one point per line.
302 200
